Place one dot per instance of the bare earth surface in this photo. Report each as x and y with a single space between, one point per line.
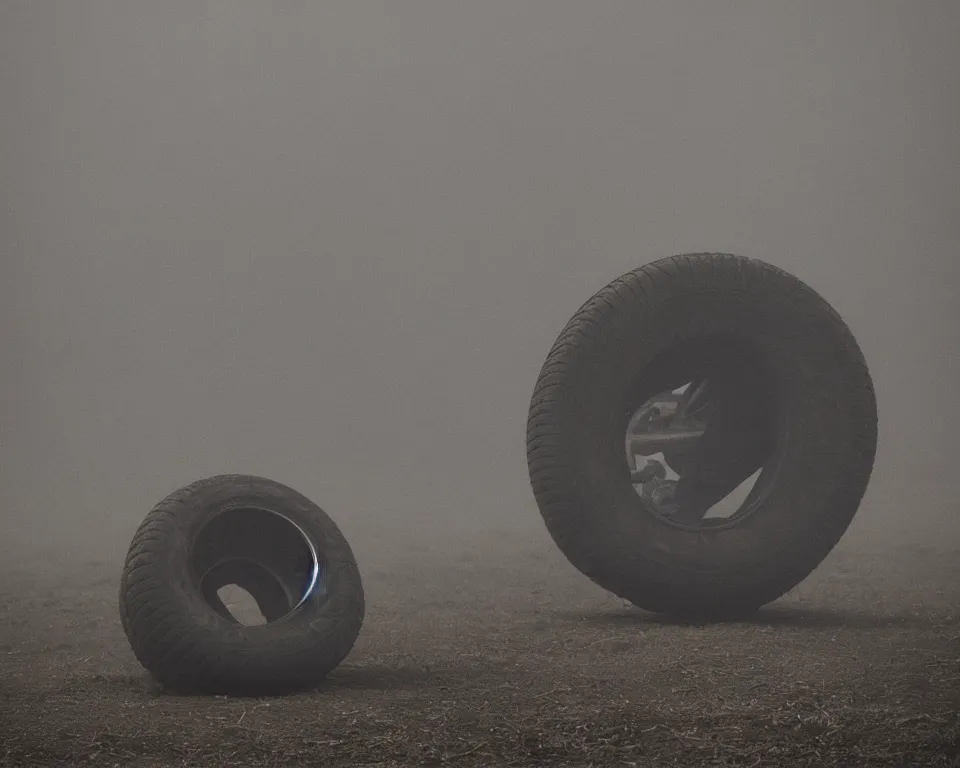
496 652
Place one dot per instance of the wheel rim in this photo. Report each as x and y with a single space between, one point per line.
262 552
662 435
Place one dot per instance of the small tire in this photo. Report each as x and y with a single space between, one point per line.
629 339
289 555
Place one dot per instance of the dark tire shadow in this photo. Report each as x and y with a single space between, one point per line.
369 677
380 677
773 616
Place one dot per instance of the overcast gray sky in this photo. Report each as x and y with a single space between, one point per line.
331 243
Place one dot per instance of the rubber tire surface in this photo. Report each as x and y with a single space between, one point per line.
584 396
186 646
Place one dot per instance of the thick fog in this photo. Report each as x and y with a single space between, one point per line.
331 243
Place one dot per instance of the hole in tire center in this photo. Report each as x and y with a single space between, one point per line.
724 509
241 605
665 432
254 566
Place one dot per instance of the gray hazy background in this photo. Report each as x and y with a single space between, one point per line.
331 243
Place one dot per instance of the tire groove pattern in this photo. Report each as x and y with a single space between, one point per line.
631 309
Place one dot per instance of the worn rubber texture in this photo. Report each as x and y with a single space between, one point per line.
617 350
187 646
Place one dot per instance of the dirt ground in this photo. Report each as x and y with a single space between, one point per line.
496 652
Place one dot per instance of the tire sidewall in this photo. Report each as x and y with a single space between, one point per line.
310 640
823 456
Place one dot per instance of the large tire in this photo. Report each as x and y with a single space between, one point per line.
280 547
634 336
